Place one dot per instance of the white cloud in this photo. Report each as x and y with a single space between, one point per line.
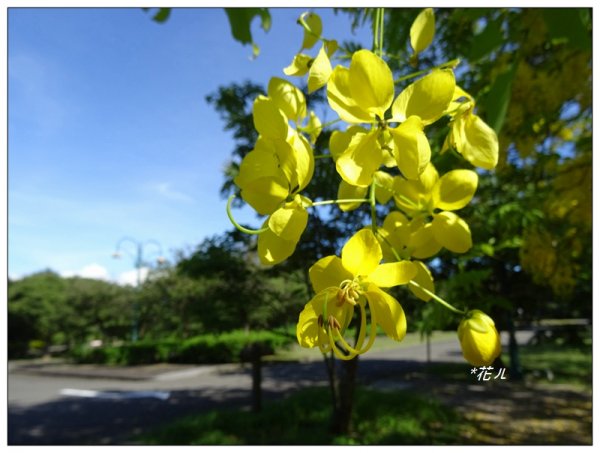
165 190
130 277
93 270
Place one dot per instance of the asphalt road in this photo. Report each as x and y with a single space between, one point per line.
93 408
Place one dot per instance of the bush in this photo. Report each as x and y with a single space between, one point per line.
210 348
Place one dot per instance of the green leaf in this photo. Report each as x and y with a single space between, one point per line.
161 16
569 24
240 20
487 41
497 99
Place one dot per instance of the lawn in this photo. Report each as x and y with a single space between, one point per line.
381 418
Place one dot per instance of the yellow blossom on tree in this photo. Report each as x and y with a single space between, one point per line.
479 339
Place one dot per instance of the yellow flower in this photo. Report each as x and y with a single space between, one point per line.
353 281
479 339
401 240
285 226
363 93
281 163
470 135
433 196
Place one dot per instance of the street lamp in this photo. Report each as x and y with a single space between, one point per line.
138 262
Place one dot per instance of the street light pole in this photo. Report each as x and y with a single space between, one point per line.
138 261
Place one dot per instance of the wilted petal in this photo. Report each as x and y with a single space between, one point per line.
362 253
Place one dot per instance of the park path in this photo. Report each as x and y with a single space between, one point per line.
40 412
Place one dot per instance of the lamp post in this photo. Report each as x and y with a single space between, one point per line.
138 262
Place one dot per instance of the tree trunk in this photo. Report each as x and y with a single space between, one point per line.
342 413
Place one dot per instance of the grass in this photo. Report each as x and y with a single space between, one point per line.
560 364
380 418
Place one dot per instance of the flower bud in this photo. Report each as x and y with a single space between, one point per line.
479 339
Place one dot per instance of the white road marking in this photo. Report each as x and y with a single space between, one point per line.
81 393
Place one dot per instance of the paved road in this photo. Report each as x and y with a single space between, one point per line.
92 405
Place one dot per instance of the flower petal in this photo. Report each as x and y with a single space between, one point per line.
347 192
320 71
341 100
362 253
422 243
299 65
424 279
328 272
314 23
265 195
451 232
422 30
412 151
287 98
428 98
455 189
269 121
289 222
303 161
393 274
476 141
388 313
384 186
340 140
371 83
363 157
273 249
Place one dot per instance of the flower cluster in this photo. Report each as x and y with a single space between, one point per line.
382 154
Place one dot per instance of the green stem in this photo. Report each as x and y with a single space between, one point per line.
437 298
350 200
396 254
373 210
448 64
237 225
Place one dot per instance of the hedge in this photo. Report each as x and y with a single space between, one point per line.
210 348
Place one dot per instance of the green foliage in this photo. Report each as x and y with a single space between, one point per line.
380 418
240 20
208 348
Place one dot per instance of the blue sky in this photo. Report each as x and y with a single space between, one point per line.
110 134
